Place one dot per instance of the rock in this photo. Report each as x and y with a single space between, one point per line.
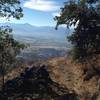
35 84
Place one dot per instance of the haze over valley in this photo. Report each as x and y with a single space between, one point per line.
42 42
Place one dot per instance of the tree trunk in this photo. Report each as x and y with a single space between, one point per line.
3 79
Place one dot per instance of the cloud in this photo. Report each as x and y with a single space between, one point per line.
42 5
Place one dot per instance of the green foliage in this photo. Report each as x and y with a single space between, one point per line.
85 14
10 8
9 47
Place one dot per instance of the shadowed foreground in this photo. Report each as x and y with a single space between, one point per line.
35 84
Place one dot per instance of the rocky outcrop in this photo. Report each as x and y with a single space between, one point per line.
35 84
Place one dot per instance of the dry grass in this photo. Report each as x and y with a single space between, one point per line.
70 74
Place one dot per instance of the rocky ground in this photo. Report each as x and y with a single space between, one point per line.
35 84
66 74
70 75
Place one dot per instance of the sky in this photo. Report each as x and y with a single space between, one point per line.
39 12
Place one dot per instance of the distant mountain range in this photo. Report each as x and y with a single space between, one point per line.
36 31
44 41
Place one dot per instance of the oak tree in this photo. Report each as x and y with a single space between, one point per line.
85 16
9 47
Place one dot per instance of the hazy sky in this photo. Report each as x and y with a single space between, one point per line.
39 12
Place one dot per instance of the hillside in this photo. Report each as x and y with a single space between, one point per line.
62 71
34 83
70 75
50 50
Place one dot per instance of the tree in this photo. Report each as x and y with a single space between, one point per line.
85 15
9 47
10 8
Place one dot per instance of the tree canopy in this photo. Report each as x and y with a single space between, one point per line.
10 8
9 47
85 15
